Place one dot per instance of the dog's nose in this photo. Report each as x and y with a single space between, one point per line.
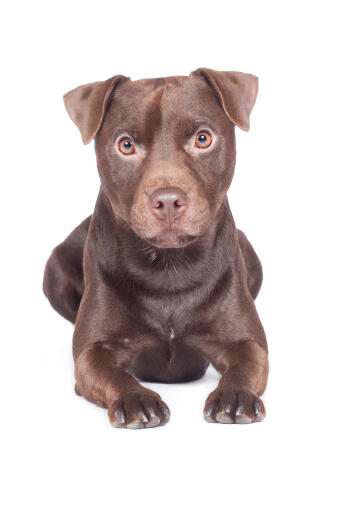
168 203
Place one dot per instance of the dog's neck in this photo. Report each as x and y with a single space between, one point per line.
170 269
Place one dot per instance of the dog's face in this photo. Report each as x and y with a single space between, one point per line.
165 147
166 154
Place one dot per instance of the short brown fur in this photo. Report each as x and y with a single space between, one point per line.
153 296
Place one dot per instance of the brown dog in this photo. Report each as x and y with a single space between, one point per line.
159 281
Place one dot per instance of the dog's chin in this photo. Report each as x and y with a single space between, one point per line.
171 239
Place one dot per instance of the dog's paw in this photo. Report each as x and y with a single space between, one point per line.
137 410
234 407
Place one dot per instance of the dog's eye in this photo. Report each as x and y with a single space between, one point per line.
126 146
203 140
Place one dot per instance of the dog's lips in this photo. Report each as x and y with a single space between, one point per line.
171 238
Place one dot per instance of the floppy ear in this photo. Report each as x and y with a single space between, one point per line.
237 93
86 105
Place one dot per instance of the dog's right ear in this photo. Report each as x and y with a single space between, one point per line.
86 105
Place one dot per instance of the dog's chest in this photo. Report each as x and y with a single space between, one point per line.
171 316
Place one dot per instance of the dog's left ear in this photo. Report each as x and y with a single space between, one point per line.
237 93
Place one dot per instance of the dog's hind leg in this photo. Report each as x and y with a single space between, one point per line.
63 277
253 265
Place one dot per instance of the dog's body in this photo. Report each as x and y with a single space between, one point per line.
159 281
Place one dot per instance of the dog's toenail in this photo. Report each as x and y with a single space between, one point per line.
239 410
154 421
243 419
135 425
223 418
120 416
142 416
165 412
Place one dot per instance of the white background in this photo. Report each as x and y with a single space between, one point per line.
59 451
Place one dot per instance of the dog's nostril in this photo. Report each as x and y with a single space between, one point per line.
168 203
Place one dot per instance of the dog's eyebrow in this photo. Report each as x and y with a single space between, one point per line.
132 131
201 124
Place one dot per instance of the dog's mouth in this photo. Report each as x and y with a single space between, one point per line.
171 238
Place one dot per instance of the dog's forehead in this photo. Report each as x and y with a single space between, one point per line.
170 98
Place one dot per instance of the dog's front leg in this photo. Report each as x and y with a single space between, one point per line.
244 369
102 360
102 379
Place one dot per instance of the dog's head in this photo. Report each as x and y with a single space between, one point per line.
165 147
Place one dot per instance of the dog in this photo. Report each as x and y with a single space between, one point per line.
158 281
